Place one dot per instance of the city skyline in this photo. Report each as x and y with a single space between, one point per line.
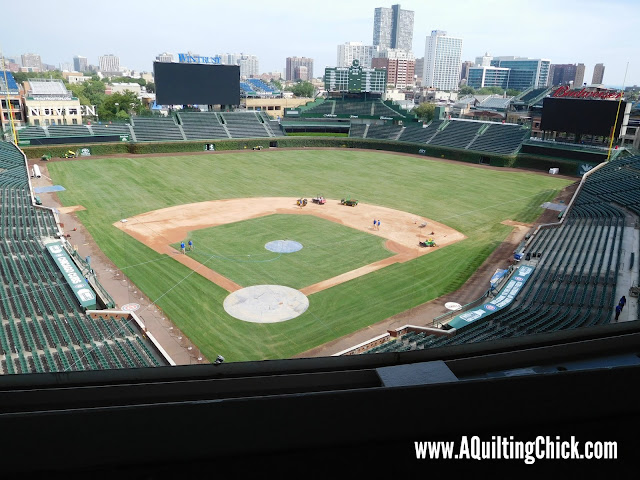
563 32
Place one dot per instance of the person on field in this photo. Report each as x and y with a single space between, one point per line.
618 310
623 301
378 224
182 247
190 246
374 223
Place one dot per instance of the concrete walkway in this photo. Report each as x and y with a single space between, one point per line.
628 273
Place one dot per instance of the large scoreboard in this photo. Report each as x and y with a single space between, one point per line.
355 79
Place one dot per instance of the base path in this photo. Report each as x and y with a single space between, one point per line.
403 231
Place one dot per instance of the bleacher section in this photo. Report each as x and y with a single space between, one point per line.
111 129
43 328
259 86
27 133
156 129
456 134
498 138
202 126
576 267
245 125
381 132
532 96
348 108
501 139
420 134
68 131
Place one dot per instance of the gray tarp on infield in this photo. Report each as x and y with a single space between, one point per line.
266 303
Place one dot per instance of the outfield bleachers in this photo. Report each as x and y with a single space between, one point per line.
43 328
500 139
111 129
244 125
456 134
260 86
68 131
420 134
156 129
577 267
30 132
202 125
384 132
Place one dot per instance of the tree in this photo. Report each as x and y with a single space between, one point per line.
425 111
277 84
466 90
302 89
119 106
512 92
490 91
151 87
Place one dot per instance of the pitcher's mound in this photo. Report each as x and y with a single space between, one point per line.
266 304
283 246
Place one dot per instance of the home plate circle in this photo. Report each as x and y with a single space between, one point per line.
266 304
130 307
283 246
452 306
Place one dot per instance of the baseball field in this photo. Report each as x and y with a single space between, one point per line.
465 202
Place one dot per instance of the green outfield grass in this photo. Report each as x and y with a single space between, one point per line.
472 200
237 251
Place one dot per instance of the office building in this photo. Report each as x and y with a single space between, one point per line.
393 28
442 60
598 74
487 76
109 63
80 63
295 62
249 64
483 61
350 51
525 72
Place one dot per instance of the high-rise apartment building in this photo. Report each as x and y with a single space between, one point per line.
442 59
164 57
295 62
249 64
350 51
393 28
399 64
598 74
301 73
80 63
32 61
109 63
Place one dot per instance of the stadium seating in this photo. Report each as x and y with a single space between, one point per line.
501 139
111 129
384 132
420 134
456 134
260 86
203 125
245 125
577 266
156 129
68 131
43 327
27 133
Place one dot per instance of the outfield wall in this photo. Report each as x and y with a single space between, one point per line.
567 167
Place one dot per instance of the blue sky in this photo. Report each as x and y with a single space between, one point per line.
583 31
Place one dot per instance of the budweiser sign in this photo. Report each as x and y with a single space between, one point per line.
567 92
